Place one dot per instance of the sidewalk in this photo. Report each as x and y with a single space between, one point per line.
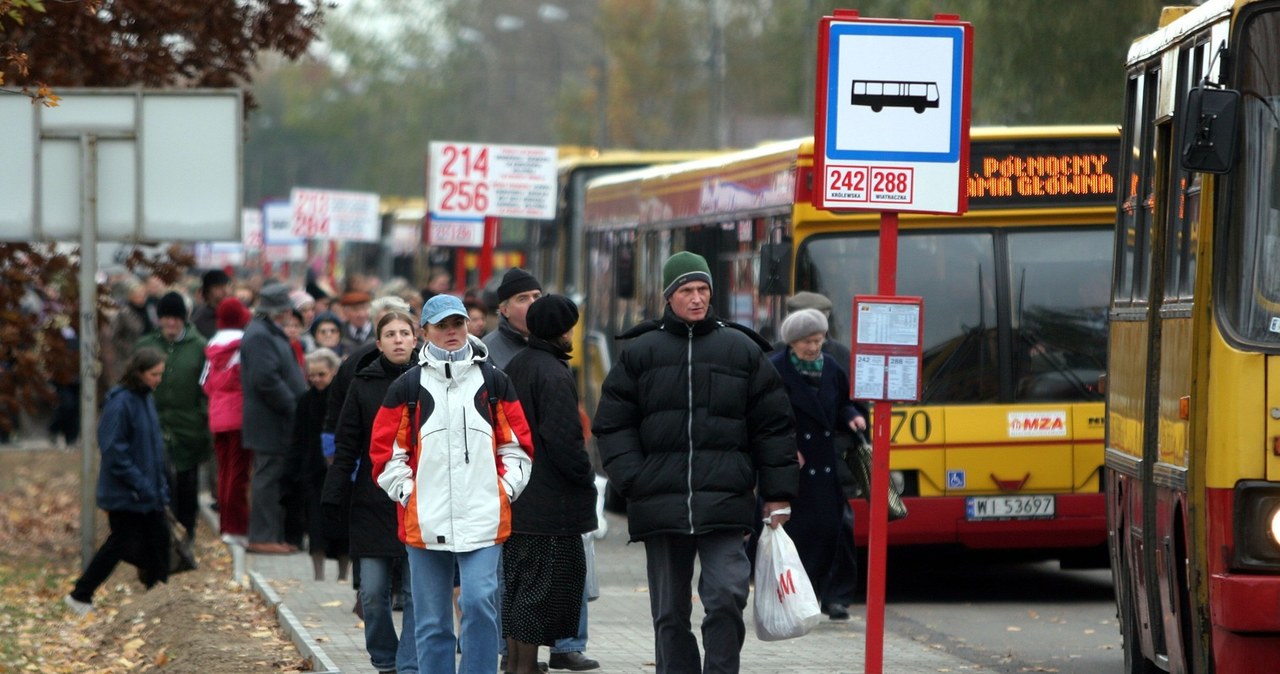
318 617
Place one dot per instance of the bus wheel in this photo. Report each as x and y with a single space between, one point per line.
919 109
877 108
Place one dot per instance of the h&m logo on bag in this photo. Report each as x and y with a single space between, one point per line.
786 585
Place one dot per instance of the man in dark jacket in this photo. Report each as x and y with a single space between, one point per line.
272 380
518 290
182 405
693 421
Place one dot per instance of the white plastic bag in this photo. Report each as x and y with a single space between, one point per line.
785 605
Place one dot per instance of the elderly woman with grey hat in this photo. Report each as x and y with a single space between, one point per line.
819 390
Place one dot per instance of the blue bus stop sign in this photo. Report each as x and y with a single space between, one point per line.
892 114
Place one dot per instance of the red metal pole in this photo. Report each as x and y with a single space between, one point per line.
486 253
877 539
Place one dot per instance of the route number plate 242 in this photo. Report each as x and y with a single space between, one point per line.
1009 507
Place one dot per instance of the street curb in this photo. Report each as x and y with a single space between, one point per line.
311 651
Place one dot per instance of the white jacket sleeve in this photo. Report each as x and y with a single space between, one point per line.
517 465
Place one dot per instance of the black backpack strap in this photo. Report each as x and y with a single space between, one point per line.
487 370
410 383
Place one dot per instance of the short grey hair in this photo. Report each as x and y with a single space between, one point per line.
387 303
324 355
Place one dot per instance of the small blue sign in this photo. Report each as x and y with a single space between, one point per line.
955 479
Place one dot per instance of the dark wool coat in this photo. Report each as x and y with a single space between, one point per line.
820 413
358 360
374 527
504 343
272 381
560 498
692 421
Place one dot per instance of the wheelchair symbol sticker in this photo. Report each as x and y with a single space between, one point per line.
955 479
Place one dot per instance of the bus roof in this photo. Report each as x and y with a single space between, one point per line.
742 182
1191 21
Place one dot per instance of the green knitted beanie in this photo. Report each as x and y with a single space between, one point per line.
682 268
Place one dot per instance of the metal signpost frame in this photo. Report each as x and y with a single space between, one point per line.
471 185
126 165
891 134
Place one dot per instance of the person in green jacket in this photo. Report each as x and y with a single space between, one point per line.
183 407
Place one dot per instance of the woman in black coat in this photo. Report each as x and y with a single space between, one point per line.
820 514
373 530
544 563
312 464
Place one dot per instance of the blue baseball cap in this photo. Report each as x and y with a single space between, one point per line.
441 307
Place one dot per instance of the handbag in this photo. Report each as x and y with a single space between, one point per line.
855 450
785 605
181 555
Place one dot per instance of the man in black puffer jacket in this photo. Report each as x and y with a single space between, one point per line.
693 421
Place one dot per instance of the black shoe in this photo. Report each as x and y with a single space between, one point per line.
573 661
502 664
836 611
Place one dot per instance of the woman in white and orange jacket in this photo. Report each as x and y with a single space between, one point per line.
451 446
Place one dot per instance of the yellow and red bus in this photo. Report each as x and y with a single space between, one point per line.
1005 449
1193 384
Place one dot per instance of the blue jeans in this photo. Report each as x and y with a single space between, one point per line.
578 643
432 578
386 650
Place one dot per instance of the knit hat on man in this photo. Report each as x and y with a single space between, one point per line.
550 316
213 278
516 281
232 314
802 324
172 305
809 300
681 268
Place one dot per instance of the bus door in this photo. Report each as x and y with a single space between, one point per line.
1135 380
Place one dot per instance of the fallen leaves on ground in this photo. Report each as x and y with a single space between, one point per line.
195 620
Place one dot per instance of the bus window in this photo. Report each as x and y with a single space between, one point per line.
955 274
1252 288
1059 292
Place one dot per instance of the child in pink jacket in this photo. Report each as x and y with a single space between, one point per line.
221 383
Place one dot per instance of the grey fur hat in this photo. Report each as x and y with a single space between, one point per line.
803 323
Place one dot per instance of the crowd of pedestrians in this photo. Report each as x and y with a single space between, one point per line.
438 448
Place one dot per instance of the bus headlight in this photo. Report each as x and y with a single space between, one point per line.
1256 526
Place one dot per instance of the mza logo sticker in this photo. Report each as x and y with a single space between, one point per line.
1048 424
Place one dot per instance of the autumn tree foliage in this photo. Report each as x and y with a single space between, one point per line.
46 45
153 43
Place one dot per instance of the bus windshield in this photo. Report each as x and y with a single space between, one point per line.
1251 305
1033 299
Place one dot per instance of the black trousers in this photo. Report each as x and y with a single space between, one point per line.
186 498
141 539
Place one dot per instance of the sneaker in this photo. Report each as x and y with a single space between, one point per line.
235 539
80 608
573 661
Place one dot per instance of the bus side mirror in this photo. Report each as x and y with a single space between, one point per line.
775 263
1208 140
